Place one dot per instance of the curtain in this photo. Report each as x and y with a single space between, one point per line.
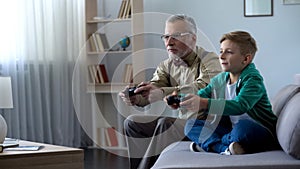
40 42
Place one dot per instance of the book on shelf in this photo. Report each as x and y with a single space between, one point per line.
104 41
128 74
98 73
92 43
121 10
125 9
93 74
111 137
104 73
101 141
128 12
101 42
121 139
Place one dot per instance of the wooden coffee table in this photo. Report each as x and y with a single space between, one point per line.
48 157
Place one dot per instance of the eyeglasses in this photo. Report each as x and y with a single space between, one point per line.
174 36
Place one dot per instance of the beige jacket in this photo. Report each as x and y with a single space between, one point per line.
202 66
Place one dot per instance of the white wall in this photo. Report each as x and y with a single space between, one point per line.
278 37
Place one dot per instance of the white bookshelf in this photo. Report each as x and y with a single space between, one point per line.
105 102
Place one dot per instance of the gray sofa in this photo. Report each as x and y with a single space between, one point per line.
286 105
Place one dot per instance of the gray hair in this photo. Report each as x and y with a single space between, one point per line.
189 20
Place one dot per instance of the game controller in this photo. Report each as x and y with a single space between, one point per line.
174 100
130 91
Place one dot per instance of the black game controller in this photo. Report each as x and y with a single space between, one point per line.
130 91
174 100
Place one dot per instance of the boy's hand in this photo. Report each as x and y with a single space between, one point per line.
173 100
191 102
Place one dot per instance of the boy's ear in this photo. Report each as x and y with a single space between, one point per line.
248 59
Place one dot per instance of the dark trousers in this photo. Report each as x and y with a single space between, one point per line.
148 135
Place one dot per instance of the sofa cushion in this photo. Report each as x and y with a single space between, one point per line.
283 96
288 127
178 155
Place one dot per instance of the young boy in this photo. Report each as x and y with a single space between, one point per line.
239 93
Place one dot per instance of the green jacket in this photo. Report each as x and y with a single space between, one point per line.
251 97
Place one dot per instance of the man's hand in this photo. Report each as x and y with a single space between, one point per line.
145 89
129 100
149 91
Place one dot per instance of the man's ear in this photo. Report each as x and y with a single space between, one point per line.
194 37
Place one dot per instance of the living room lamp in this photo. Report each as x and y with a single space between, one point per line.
6 102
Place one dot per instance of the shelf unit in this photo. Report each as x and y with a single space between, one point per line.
106 87
136 35
105 101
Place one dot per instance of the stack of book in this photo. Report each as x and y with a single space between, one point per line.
98 73
9 142
98 42
109 137
125 9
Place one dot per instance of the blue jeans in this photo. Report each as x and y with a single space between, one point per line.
252 136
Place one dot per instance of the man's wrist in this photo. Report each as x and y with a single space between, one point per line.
163 91
177 88
169 90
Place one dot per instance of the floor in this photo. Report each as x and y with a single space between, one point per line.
96 158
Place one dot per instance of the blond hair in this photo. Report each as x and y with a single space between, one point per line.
244 40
